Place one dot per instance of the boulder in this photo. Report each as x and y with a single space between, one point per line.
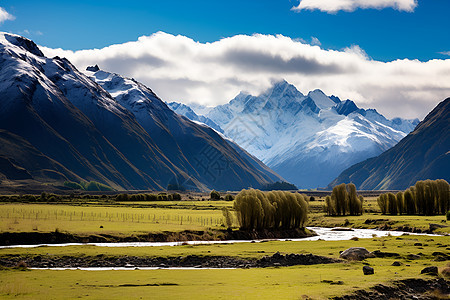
433 270
356 253
396 264
368 270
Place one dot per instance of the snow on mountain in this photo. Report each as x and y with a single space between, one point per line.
308 139
182 140
186 111
107 128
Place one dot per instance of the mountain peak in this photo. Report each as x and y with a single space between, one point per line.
93 68
320 99
20 41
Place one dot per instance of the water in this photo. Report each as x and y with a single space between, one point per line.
326 234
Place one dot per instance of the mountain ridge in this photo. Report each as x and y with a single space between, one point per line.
308 139
422 154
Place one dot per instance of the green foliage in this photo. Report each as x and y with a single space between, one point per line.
93 186
228 197
73 185
270 210
428 197
176 197
215 195
228 217
279 186
344 201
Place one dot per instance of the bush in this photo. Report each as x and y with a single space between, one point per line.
176 197
228 218
344 200
428 197
215 195
228 197
270 210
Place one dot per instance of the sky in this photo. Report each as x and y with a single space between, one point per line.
392 55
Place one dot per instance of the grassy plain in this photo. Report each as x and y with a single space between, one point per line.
129 218
280 283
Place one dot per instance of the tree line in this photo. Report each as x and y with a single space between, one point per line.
270 210
428 197
344 201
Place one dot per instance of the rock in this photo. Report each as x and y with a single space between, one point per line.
356 253
413 256
368 270
418 244
433 226
430 271
93 68
396 264
381 254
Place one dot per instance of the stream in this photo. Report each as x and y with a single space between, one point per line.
326 234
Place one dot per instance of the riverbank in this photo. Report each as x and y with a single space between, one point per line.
57 237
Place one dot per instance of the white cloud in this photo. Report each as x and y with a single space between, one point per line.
315 41
445 53
180 69
4 15
333 6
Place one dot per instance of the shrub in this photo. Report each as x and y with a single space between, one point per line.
428 197
215 195
228 218
228 197
267 210
176 197
344 200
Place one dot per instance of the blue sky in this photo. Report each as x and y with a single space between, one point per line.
384 34
391 55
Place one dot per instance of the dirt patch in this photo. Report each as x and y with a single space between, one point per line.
404 289
276 260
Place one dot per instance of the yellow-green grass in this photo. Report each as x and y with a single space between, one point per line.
270 283
277 283
183 203
115 220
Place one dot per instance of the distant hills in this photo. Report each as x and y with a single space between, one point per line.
423 154
57 124
308 139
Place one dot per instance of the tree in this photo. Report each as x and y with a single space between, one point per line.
215 195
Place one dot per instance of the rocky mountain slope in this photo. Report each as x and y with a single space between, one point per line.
422 154
128 139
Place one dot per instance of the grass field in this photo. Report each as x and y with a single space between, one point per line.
279 283
142 217
122 220
130 218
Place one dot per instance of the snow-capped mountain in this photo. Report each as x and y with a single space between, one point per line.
184 110
106 128
423 154
308 139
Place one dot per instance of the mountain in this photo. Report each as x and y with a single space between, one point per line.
307 139
120 134
422 154
186 111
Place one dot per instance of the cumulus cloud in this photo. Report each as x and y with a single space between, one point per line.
4 15
178 68
333 6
